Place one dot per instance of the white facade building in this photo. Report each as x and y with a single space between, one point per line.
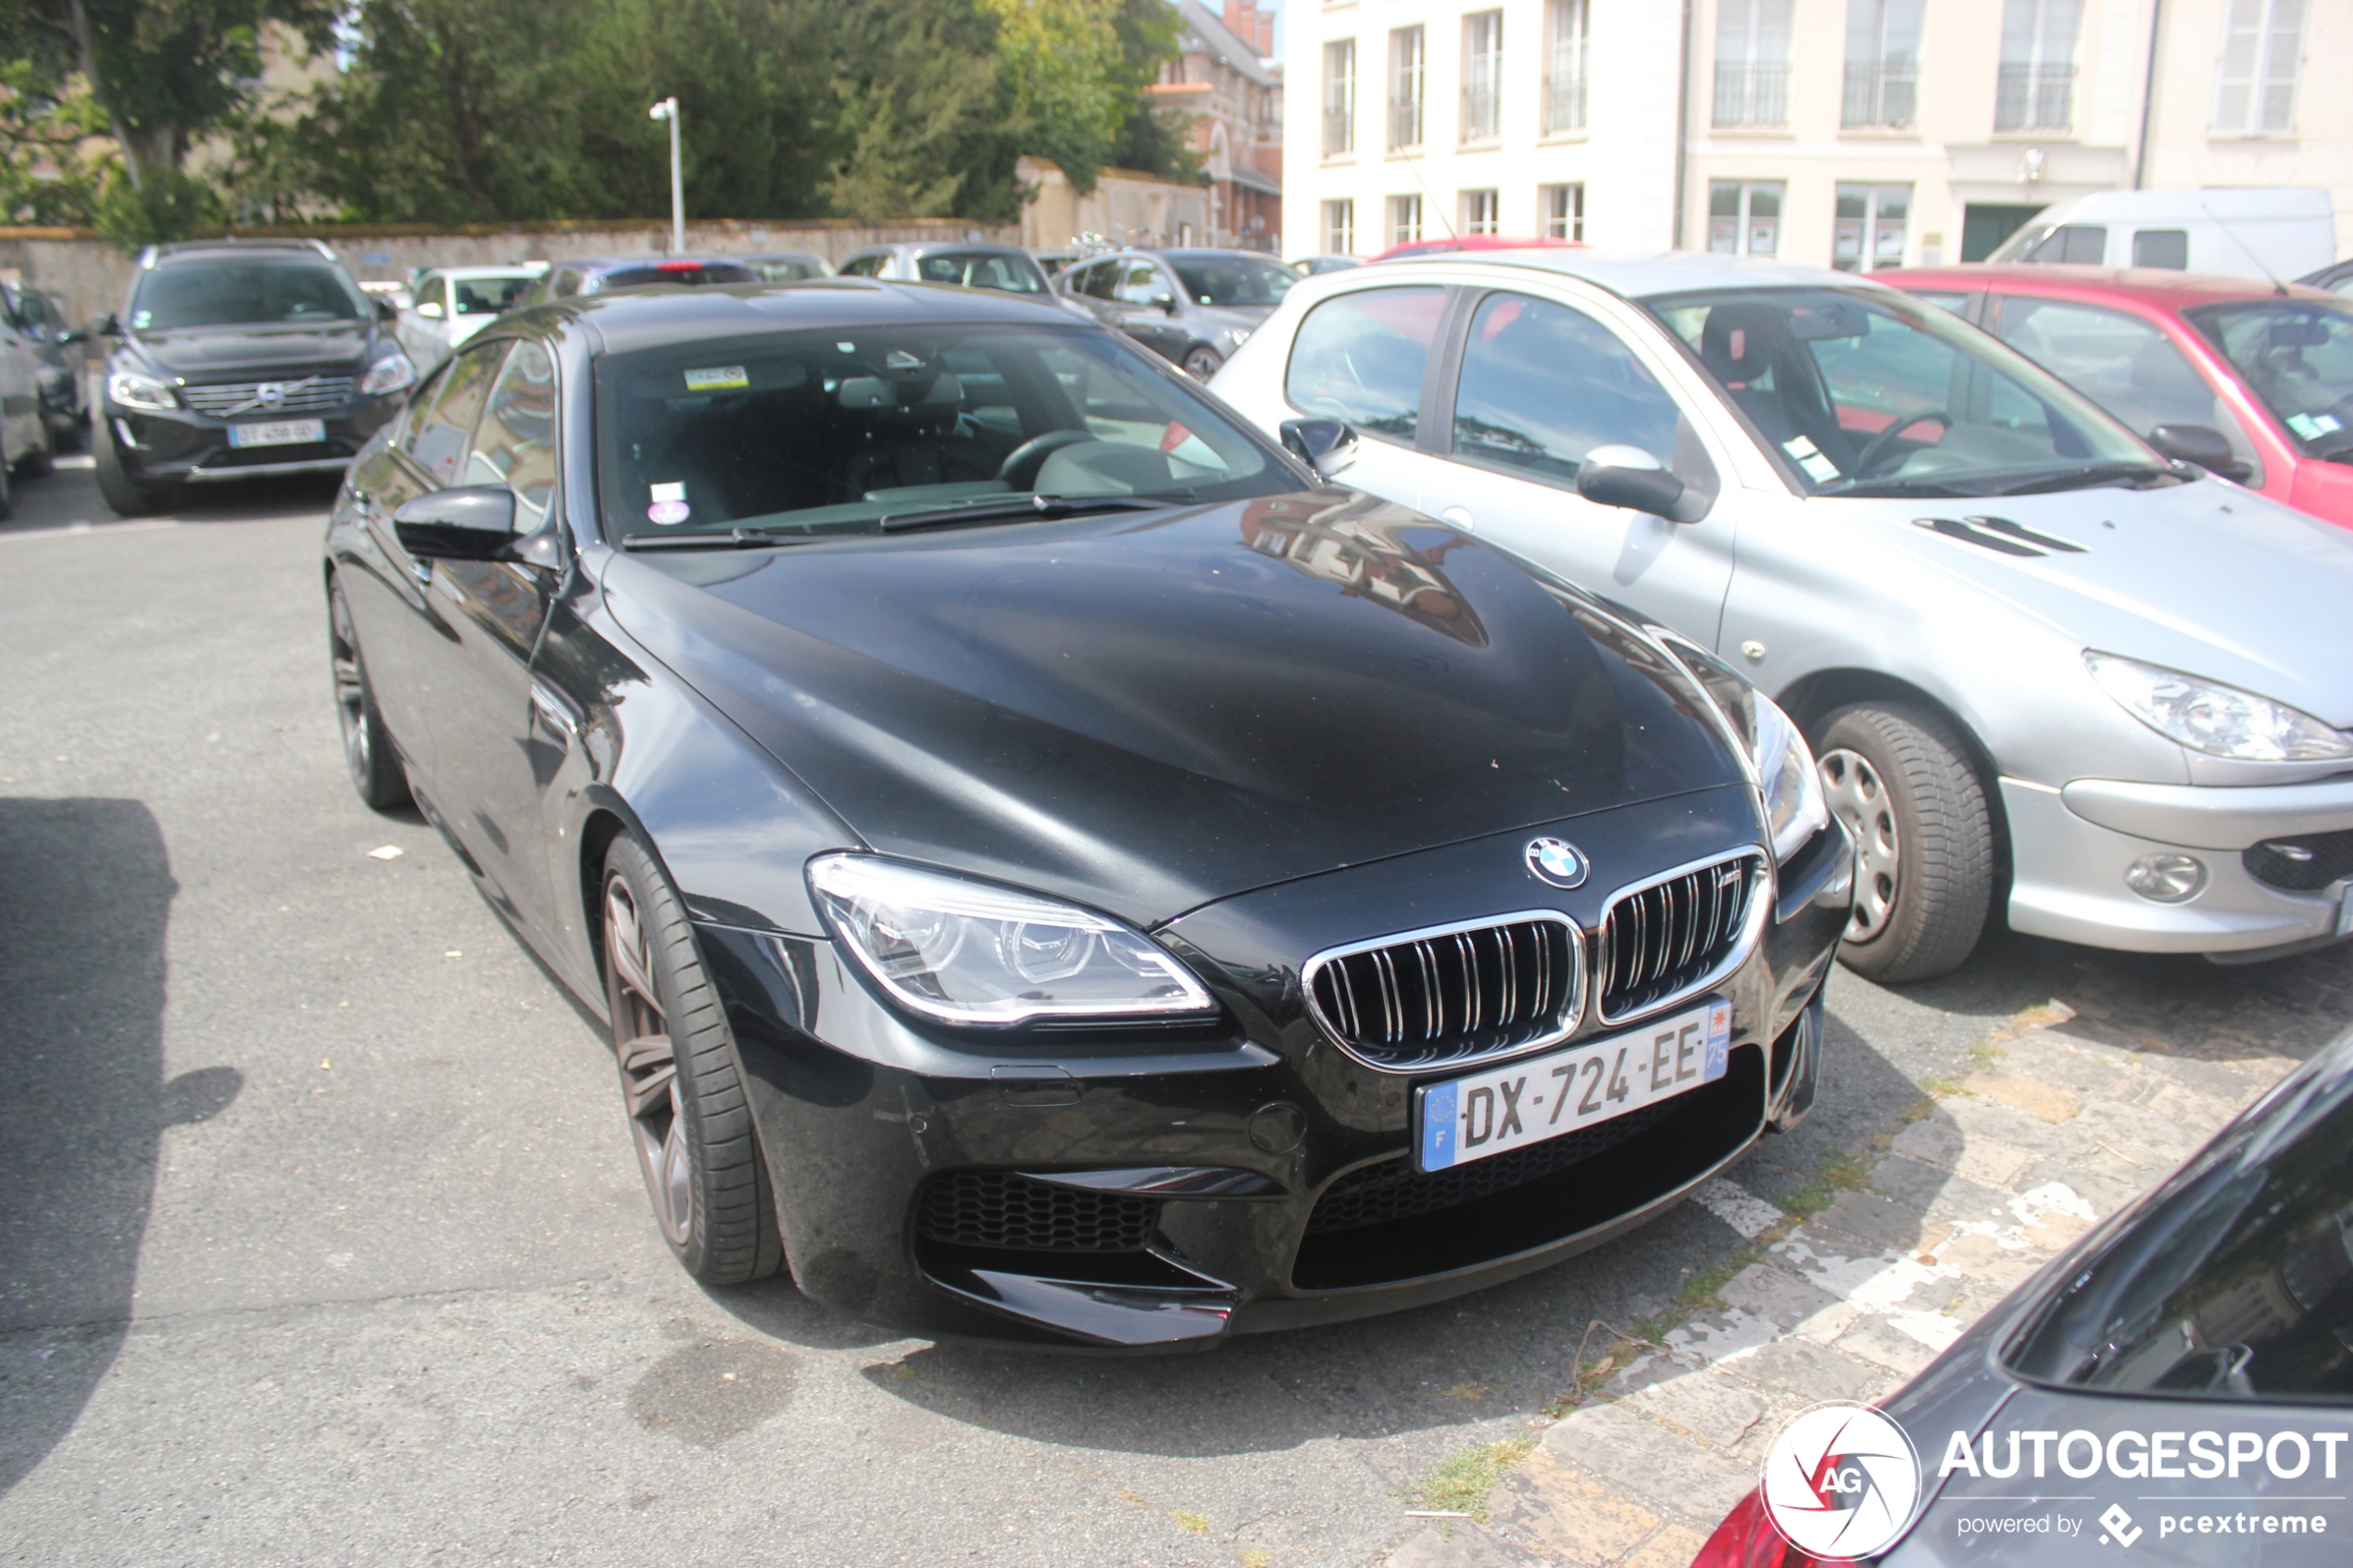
1417 118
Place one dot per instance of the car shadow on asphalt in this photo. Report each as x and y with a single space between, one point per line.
85 903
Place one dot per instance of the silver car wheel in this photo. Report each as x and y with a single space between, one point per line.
649 1067
1859 798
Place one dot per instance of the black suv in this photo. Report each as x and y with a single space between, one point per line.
237 357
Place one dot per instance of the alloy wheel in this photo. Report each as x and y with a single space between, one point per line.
1855 792
351 690
649 1065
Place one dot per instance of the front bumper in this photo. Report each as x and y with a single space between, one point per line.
1205 1155
2070 848
183 448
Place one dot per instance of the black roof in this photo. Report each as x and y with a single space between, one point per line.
656 315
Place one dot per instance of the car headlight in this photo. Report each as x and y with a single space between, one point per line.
969 952
388 374
1770 742
2217 719
1236 337
131 390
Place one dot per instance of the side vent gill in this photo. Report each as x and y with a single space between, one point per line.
2000 536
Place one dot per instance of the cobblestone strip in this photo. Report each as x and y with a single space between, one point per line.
1973 1193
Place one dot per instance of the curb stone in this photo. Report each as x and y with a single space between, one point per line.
1958 1206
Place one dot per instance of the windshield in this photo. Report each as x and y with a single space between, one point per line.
786 269
691 273
2295 354
1861 392
242 293
831 432
2236 1283
1233 280
997 270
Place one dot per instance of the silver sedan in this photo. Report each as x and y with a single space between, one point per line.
2042 665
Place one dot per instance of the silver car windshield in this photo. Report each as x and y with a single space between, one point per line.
1862 394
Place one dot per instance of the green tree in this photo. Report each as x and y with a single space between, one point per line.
1152 140
929 125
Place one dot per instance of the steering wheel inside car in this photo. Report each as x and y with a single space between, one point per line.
1020 465
1879 443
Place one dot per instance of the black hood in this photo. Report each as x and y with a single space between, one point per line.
216 353
1147 715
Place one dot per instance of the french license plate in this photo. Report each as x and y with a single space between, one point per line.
278 432
1507 1107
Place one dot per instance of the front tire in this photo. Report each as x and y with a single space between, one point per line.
1902 781
368 750
125 496
689 1116
1202 362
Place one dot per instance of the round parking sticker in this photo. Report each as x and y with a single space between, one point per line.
668 513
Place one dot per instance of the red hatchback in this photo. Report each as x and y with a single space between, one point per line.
2271 369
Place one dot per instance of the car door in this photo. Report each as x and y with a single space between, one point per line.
1535 385
1365 356
19 385
485 618
416 330
1096 286
1146 308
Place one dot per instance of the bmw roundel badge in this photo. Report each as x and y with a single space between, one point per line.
1556 861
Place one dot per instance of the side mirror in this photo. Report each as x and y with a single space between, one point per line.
1326 445
430 310
108 327
72 335
1619 475
474 523
1163 299
386 310
2208 448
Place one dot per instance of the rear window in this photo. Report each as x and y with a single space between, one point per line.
487 296
691 273
981 269
1361 357
2236 1283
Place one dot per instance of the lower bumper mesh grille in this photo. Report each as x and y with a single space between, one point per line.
2304 864
1004 1209
1394 1191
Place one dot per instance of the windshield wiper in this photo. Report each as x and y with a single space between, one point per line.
1029 508
733 539
2086 476
1861 487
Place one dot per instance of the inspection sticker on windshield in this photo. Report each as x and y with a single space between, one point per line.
717 378
1809 456
2311 427
1564 1091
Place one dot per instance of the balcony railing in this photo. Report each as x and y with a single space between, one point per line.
1752 95
1881 97
1405 123
2034 98
1339 132
1482 117
1564 102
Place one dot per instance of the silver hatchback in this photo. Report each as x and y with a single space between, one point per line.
2039 663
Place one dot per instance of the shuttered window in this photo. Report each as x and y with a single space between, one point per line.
2255 87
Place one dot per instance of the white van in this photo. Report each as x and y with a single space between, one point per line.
2252 232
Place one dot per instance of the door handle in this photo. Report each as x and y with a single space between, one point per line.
556 711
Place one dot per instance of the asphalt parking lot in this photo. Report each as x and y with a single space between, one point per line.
322 1240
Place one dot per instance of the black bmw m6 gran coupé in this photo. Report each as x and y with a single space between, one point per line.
1057 869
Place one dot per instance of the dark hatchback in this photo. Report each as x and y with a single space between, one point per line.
594 274
233 359
1056 871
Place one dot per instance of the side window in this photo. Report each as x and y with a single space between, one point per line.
1955 300
2084 244
437 436
567 283
863 267
1142 282
2119 361
515 444
1544 385
432 294
2162 248
941 267
1361 357
1102 282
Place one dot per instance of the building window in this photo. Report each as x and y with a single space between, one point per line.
1744 217
2262 46
1566 23
1339 228
1752 62
1564 210
1482 76
1883 64
1405 220
1405 57
1482 212
1869 233
1340 97
2037 90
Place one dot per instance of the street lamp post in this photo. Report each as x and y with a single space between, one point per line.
668 109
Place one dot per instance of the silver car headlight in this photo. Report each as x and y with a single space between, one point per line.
1236 337
388 374
131 390
2217 719
972 953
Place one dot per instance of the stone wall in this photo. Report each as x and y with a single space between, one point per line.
92 277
